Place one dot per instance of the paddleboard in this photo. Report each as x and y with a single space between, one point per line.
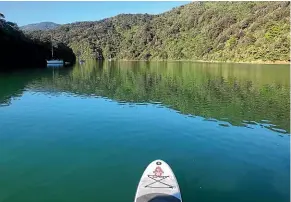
158 184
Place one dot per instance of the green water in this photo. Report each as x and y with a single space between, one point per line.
86 133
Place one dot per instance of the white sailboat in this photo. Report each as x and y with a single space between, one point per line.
52 61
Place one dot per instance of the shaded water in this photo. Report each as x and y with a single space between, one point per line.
86 133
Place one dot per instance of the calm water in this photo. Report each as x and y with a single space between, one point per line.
86 133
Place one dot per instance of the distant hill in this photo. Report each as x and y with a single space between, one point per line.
19 51
209 31
39 26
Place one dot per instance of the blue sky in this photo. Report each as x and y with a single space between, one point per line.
66 12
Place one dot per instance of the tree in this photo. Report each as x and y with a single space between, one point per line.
12 24
2 16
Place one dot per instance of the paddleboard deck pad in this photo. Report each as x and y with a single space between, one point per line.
158 184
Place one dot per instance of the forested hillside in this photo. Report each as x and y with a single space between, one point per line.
212 31
19 51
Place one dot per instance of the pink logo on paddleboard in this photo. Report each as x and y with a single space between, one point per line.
158 171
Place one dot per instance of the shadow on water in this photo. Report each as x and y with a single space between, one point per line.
239 94
14 83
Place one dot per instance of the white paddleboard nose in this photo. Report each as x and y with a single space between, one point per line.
158 183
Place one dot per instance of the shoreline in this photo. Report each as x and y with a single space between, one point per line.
215 61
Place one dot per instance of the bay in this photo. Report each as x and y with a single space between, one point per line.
86 133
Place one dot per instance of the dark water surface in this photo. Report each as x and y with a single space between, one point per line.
86 133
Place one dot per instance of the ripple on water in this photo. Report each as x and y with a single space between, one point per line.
4 104
279 130
250 122
142 103
224 125
210 119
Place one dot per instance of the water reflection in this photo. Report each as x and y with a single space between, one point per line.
242 95
237 94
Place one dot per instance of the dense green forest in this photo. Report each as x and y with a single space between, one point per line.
211 31
19 51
